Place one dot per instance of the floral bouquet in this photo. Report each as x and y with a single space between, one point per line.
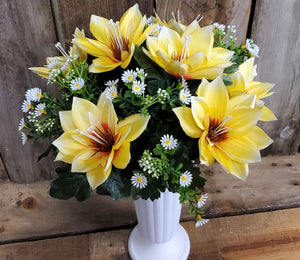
141 102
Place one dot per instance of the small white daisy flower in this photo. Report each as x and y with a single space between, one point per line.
222 27
26 106
40 109
36 94
185 179
53 64
24 138
128 76
138 87
201 221
29 94
139 180
252 47
149 21
65 66
202 200
21 124
77 84
156 30
112 83
111 92
168 142
185 96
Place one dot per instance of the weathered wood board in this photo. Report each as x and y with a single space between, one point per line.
276 31
228 12
27 36
27 211
268 235
70 14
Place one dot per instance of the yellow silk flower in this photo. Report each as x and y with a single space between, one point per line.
242 82
115 41
58 62
226 128
94 140
191 54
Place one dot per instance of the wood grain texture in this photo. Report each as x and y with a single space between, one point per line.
228 12
276 30
70 14
27 36
269 235
27 211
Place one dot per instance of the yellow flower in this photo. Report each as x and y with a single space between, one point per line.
114 44
242 82
191 54
94 140
226 128
58 62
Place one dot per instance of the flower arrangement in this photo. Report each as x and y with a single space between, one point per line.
142 101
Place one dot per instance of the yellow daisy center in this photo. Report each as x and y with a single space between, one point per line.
183 96
168 142
38 94
139 179
130 78
184 177
136 88
41 111
155 32
28 106
77 85
113 94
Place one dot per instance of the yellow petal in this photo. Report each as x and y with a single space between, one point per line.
104 64
202 88
248 70
238 83
138 124
97 176
64 158
240 170
176 68
80 109
97 27
79 165
130 20
203 39
267 115
216 96
260 89
242 121
91 46
259 137
241 100
206 72
122 136
240 149
141 38
224 160
122 156
199 108
196 61
205 155
66 120
220 57
41 71
187 122
126 57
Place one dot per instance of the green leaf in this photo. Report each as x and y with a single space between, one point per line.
227 80
117 186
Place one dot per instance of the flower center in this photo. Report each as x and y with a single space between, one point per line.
217 130
139 179
117 42
184 51
168 142
184 178
136 88
102 138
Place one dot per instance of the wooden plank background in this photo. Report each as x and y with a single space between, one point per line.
30 30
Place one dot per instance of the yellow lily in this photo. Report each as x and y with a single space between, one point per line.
242 82
191 54
58 62
114 44
226 129
94 140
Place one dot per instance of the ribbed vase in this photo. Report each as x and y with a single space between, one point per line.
158 234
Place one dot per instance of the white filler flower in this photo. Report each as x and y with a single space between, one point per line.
252 47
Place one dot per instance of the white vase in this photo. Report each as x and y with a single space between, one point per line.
158 234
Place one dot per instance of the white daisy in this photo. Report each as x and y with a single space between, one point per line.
156 30
77 84
128 76
29 94
112 83
36 94
168 142
52 64
202 200
185 96
222 27
26 106
252 48
111 92
201 221
24 138
40 109
139 180
21 124
66 65
138 87
185 179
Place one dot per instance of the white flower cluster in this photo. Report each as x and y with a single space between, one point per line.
146 162
221 27
162 95
252 47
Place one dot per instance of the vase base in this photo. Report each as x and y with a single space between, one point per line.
177 248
